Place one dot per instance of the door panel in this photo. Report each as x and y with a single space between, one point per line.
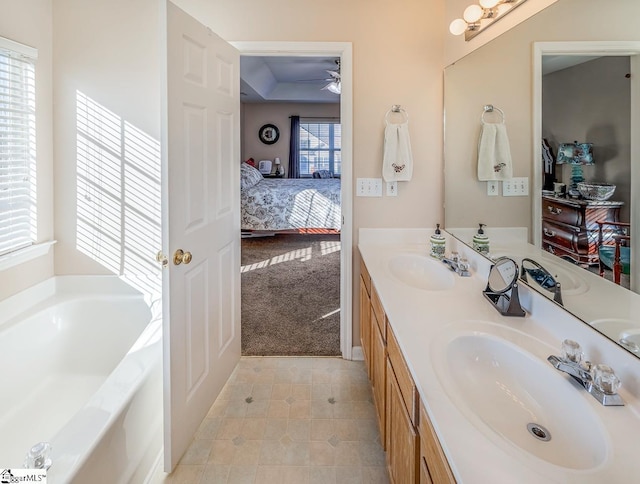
201 153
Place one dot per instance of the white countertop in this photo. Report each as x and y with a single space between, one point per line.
419 318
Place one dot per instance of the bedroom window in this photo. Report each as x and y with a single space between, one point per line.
17 146
320 147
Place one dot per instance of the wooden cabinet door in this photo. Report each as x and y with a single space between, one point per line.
425 478
378 375
365 325
402 438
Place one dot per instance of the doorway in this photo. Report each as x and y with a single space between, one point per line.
342 52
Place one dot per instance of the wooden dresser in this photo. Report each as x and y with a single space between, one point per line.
569 227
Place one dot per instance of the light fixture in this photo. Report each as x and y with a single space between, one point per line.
334 87
476 18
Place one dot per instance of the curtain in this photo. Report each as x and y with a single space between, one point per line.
294 148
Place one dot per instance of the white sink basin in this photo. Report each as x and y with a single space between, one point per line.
509 394
421 272
623 331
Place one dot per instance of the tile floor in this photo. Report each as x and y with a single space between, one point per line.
288 420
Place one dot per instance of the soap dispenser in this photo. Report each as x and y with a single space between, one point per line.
438 243
481 241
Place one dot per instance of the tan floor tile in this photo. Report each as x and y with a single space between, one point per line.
321 453
240 391
301 391
343 409
295 475
321 429
271 453
254 428
197 453
346 429
222 452
375 475
322 475
321 409
296 454
300 409
349 475
258 408
276 428
347 454
371 454
301 376
261 391
283 375
209 428
268 475
320 375
215 474
281 391
230 428
278 409
368 430
218 408
236 409
299 429
248 453
364 410
321 391
242 474
266 375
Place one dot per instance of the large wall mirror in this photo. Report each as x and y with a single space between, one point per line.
569 75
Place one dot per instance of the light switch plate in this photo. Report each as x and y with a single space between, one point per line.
392 189
369 187
492 188
515 187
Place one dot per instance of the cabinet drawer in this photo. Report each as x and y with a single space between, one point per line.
378 310
405 381
366 278
561 212
560 235
432 453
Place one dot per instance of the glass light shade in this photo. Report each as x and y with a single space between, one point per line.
473 13
458 26
334 87
489 3
504 8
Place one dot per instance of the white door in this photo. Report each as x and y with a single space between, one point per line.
201 181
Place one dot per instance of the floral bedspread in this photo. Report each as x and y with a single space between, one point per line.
291 203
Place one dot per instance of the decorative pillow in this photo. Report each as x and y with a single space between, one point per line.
249 176
322 174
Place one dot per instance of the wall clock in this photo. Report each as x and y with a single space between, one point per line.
269 134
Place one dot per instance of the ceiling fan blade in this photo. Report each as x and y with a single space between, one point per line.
334 74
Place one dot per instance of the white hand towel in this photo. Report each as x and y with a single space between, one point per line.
494 154
397 162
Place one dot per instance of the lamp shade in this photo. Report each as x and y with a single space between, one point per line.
473 13
458 26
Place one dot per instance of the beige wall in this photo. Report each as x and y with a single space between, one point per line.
500 73
108 53
591 103
29 22
256 115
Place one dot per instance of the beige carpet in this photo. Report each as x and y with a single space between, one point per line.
291 295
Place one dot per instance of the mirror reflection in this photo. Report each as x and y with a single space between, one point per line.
578 211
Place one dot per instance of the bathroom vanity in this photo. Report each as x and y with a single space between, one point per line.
464 394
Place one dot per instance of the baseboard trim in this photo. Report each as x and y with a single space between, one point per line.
357 354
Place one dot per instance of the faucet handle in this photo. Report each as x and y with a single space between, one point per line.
571 351
605 379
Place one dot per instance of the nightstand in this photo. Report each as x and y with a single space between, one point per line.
569 227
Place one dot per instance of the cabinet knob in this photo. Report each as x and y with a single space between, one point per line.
549 233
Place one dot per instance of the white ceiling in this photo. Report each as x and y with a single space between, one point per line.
286 79
553 63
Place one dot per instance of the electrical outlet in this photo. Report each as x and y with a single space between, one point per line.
515 187
392 189
369 187
492 188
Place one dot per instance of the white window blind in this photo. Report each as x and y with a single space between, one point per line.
320 144
17 147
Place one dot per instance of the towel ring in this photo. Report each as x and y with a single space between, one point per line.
396 109
489 108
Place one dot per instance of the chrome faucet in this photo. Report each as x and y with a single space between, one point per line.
458 264
39 456
599 380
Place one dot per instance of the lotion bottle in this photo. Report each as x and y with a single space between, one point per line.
438 243
481 241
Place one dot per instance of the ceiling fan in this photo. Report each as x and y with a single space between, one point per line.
334 79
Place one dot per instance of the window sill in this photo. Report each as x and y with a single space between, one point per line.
25 255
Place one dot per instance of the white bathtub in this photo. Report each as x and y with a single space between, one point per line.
80 367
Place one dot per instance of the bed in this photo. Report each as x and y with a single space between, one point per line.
288 204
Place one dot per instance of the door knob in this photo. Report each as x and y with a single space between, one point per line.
181 256
160 257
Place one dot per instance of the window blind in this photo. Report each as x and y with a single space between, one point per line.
17 149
